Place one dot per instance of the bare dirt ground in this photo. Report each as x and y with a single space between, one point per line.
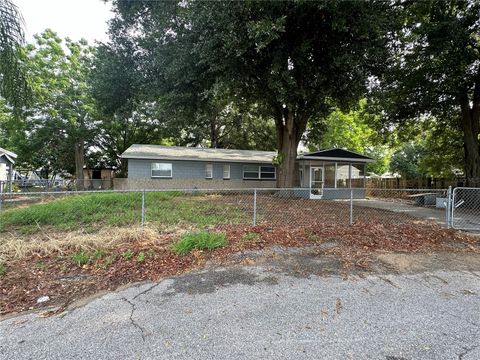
363 247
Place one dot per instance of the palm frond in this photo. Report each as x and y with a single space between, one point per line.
13 85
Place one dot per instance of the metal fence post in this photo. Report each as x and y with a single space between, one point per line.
448 207
351 207
143 207
254 207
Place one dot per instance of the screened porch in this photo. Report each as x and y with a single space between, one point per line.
332 174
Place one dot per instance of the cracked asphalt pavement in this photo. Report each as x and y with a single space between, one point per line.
266 311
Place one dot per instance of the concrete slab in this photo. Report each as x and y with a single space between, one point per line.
429 213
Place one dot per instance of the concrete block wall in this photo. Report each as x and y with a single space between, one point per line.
188 175
138 168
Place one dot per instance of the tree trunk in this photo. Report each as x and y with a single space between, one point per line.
471 128
79 162
288 137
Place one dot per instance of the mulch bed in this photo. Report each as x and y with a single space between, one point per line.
56 276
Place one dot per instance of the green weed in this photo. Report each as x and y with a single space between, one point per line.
40 265
80 258
141 257
99 254
311 236
3 269
127 255
109 260
251 236
199 241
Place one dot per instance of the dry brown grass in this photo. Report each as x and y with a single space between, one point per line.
15 246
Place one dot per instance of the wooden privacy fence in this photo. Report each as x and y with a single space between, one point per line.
420 183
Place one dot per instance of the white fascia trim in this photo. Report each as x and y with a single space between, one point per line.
336 159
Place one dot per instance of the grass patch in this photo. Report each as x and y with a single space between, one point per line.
99 254
80 258
3 269
199 241
251 236
92 212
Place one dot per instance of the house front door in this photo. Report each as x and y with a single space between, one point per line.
316 182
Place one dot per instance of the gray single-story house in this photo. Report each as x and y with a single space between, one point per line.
321 174
7 160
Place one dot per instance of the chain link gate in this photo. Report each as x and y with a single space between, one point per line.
463 208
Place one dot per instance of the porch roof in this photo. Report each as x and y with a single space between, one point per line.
336 155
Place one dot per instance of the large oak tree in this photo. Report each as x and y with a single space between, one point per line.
291 58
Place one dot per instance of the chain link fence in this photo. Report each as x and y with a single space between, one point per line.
465 208
90 211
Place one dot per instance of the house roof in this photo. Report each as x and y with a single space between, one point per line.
336 154
10 156
160 152
138 151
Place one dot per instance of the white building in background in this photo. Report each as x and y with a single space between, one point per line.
7 161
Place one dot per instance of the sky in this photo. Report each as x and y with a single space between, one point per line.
75 19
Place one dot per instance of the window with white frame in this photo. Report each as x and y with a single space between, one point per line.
161 170
267 172
208 171
259 172
226 172
251 172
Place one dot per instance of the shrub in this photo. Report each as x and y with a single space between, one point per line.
199 241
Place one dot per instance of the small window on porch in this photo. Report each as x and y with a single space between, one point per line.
343 175
358 175
329 177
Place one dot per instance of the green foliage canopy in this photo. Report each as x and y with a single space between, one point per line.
13 85
61 115
353 130
436 72
292 59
